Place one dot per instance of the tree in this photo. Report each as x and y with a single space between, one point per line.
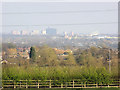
70 60
94 51
119 50
46 57
80 59
6 46
32 54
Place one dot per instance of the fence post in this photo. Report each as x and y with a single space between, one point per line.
38 83
14 85
20 84
96 85
26 84
65 84
50 84
73 83
84 84
61 85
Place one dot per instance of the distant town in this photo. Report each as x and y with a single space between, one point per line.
53 31
49 36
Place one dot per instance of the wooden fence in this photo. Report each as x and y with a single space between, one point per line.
54 84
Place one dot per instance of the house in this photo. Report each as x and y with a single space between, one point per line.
62 52
23 55
4 62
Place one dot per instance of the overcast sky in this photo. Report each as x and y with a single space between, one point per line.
79 17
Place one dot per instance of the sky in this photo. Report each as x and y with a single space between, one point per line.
77 17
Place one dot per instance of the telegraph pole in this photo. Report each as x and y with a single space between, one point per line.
109 62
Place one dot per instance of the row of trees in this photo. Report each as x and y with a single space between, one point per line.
85 64
97 57
46 56
66 73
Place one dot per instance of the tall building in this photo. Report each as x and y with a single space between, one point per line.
43 32
35 32
51 31
72 33
15 32
65 33
24 32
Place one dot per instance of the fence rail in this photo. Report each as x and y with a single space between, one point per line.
55 84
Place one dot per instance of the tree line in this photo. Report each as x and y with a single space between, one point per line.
90 64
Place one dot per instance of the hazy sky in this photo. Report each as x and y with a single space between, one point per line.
85 17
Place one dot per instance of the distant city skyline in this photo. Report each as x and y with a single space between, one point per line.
74 17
